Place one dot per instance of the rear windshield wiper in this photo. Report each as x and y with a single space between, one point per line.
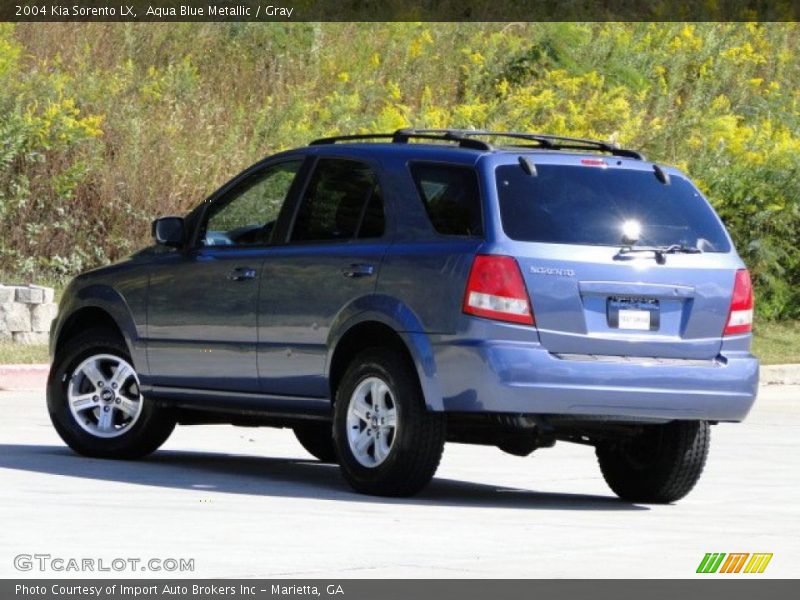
681 249
659 252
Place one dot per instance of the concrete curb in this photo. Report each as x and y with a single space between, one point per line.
23 377
26 377
780 375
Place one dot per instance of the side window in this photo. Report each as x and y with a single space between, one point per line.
451 197
342 201
247 217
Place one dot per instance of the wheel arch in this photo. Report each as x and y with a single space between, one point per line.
99 306
398 328
82 319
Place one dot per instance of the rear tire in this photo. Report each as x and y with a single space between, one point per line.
659 466
94 401
317 439
387 442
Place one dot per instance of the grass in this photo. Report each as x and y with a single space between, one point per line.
777 343
774 344
18 354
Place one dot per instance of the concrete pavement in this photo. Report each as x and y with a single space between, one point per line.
251 502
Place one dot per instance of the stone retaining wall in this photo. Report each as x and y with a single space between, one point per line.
26 312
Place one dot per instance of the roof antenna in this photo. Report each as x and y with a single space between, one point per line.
527 166
661 175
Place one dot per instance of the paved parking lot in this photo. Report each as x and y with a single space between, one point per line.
250 502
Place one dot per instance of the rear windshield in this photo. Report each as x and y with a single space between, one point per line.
588 205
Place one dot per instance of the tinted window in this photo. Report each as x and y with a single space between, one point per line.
247 215
372 224
451 197
342 201
588 205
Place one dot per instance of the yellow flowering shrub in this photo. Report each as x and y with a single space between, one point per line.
111 124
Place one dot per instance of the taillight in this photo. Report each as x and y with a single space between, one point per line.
496 290
740 317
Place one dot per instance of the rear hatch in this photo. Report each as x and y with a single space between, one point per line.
618 259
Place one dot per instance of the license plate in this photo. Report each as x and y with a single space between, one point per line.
639 314
634 319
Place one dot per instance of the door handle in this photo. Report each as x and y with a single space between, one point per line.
355 271
242 274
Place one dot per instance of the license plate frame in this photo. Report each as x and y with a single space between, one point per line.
633 314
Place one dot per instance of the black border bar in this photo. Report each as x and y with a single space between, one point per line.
701 588
398 10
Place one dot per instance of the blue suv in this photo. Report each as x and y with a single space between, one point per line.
382 294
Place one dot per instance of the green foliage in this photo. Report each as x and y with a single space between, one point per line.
105 126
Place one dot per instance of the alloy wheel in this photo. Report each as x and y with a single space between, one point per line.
103 395
371 422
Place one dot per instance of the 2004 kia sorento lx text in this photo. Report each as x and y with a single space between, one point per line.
382 294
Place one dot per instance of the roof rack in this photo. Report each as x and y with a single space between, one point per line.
402 136
543 141
466 139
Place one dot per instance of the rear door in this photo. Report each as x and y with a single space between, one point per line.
331 258
569 222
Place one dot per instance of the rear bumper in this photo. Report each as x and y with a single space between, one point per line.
518 377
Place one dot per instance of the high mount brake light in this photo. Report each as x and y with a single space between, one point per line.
594 162
740 316
496 290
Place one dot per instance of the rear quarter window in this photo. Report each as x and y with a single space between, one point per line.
587 205
451 197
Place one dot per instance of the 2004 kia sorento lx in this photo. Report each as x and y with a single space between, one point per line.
383 294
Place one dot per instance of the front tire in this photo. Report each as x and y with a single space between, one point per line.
94 401
387 442
658 466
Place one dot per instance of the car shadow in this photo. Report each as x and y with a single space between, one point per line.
279 477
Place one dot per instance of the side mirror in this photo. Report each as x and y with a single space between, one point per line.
169 231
